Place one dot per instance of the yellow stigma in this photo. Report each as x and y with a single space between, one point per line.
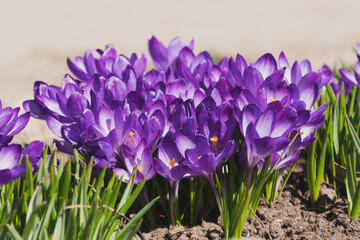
131 136
301 133
213 140
172 163
272 99
199 157
138 168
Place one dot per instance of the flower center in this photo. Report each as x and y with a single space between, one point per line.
213 140
131 136
138 168
172 163
272 99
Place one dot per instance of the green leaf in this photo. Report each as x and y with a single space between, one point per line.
354 211
331 94
32 204
83 198
29 178
30 228
89 171
128 190
133 231
286 179
321 164
71 226
100 180
64 184
353 135
13 232
132 197
60 225
110 228
44 220
135 219
335 130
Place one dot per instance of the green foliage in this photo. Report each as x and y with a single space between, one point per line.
352 185
68 201
339 145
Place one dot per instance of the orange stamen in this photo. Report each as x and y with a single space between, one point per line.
131 136
138 168
213 140
172 163
301 133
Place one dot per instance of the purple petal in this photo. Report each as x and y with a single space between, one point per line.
249 115
175 46
34 152
78 68
21 123
287 161
64 147
309 95
283 127
208 163
90 61
54 125
266 64
140 65
76 104
253 79
183 143
305 66
357 49
349 77
265 123
296 73
267 146
357 71
158 53
120 65
10 156
122 174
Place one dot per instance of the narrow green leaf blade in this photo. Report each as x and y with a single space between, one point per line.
13 232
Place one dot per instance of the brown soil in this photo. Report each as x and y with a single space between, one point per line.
292 217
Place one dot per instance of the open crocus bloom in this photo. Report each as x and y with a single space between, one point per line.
11 124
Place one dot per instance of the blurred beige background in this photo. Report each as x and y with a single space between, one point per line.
38 35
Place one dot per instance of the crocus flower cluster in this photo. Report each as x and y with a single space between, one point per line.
11 124
274 106
179 119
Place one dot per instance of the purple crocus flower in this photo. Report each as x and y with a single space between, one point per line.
202 139
169 163
141 159
34 152
9 164
131 142
11 124
348 78
351 78
105 63
164 57
264 134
